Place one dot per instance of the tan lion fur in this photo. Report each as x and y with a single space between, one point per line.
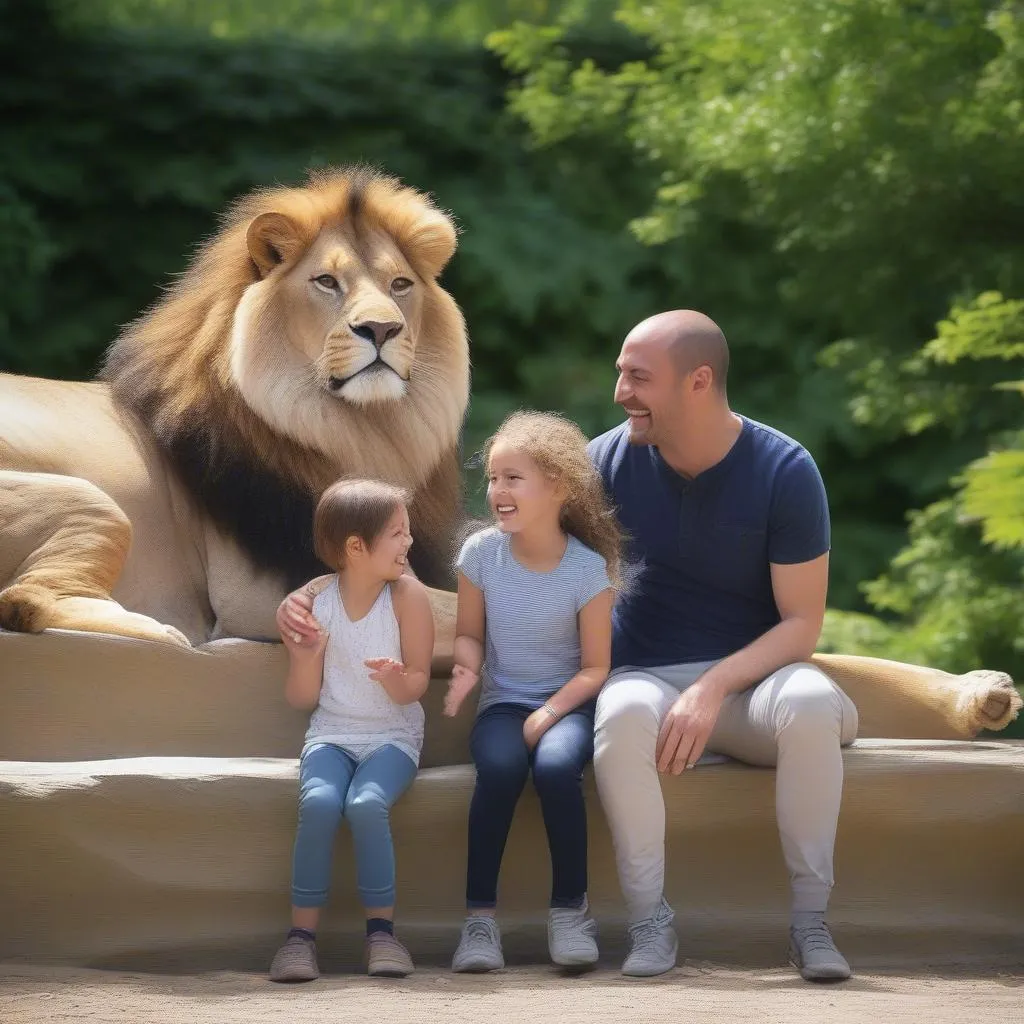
229 407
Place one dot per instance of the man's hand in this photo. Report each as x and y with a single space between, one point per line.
462 682
687 727
295 620
535 726
306 647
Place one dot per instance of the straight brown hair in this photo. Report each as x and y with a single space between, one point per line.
353 508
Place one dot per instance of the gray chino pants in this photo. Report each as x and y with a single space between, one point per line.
797 720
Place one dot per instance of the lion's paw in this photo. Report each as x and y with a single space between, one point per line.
25 608
177 638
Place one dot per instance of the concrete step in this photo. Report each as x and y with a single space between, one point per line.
114 861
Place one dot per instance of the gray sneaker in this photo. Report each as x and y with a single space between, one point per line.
572 936
479 947
653 946
814 953
295 961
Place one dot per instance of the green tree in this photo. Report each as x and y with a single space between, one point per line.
352 22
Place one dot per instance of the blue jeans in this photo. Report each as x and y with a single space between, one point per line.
503 764
333 784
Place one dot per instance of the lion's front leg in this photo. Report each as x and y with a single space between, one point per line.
64 544
442 604
912 701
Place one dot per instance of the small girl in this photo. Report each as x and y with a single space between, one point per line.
363 678
534 621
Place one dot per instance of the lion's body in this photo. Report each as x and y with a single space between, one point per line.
75 432
179 491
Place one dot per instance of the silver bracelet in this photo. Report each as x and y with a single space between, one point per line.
551 711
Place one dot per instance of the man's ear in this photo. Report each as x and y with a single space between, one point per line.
272 239
354 546
702 379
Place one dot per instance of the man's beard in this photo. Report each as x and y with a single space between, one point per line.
641 437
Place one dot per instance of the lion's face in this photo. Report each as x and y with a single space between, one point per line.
350 310
345 324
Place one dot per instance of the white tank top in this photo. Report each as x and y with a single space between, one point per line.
354 712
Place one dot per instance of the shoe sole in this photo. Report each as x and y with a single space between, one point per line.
574 970
476 967
389 972
648 974
588 959
292 979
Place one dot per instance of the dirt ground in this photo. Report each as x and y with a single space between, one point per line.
694 993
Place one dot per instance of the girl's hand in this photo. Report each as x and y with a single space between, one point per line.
459 688
535 726
384 668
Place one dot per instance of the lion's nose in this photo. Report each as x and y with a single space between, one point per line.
379 332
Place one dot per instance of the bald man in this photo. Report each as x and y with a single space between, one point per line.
729 539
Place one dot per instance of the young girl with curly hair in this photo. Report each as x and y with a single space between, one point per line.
534 626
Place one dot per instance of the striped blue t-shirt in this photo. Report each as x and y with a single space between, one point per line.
532 644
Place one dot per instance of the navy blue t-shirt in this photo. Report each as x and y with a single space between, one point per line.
698 583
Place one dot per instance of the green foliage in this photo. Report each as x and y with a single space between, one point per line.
355 22
991 488
961 603
993 493
954 382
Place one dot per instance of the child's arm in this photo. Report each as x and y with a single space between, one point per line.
595 620
305 671
470 622
406 681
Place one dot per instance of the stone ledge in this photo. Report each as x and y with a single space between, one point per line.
109 859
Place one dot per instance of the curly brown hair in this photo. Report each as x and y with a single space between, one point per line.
559 448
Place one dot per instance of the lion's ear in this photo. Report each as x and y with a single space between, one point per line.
432 242
272 239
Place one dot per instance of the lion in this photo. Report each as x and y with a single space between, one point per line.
172 499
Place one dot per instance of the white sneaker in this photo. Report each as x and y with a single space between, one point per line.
572 936
479 948
653 946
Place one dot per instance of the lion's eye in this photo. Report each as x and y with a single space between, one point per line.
328 282
401 286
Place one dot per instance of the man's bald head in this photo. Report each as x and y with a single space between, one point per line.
690 338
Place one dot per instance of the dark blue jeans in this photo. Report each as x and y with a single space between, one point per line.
503 764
